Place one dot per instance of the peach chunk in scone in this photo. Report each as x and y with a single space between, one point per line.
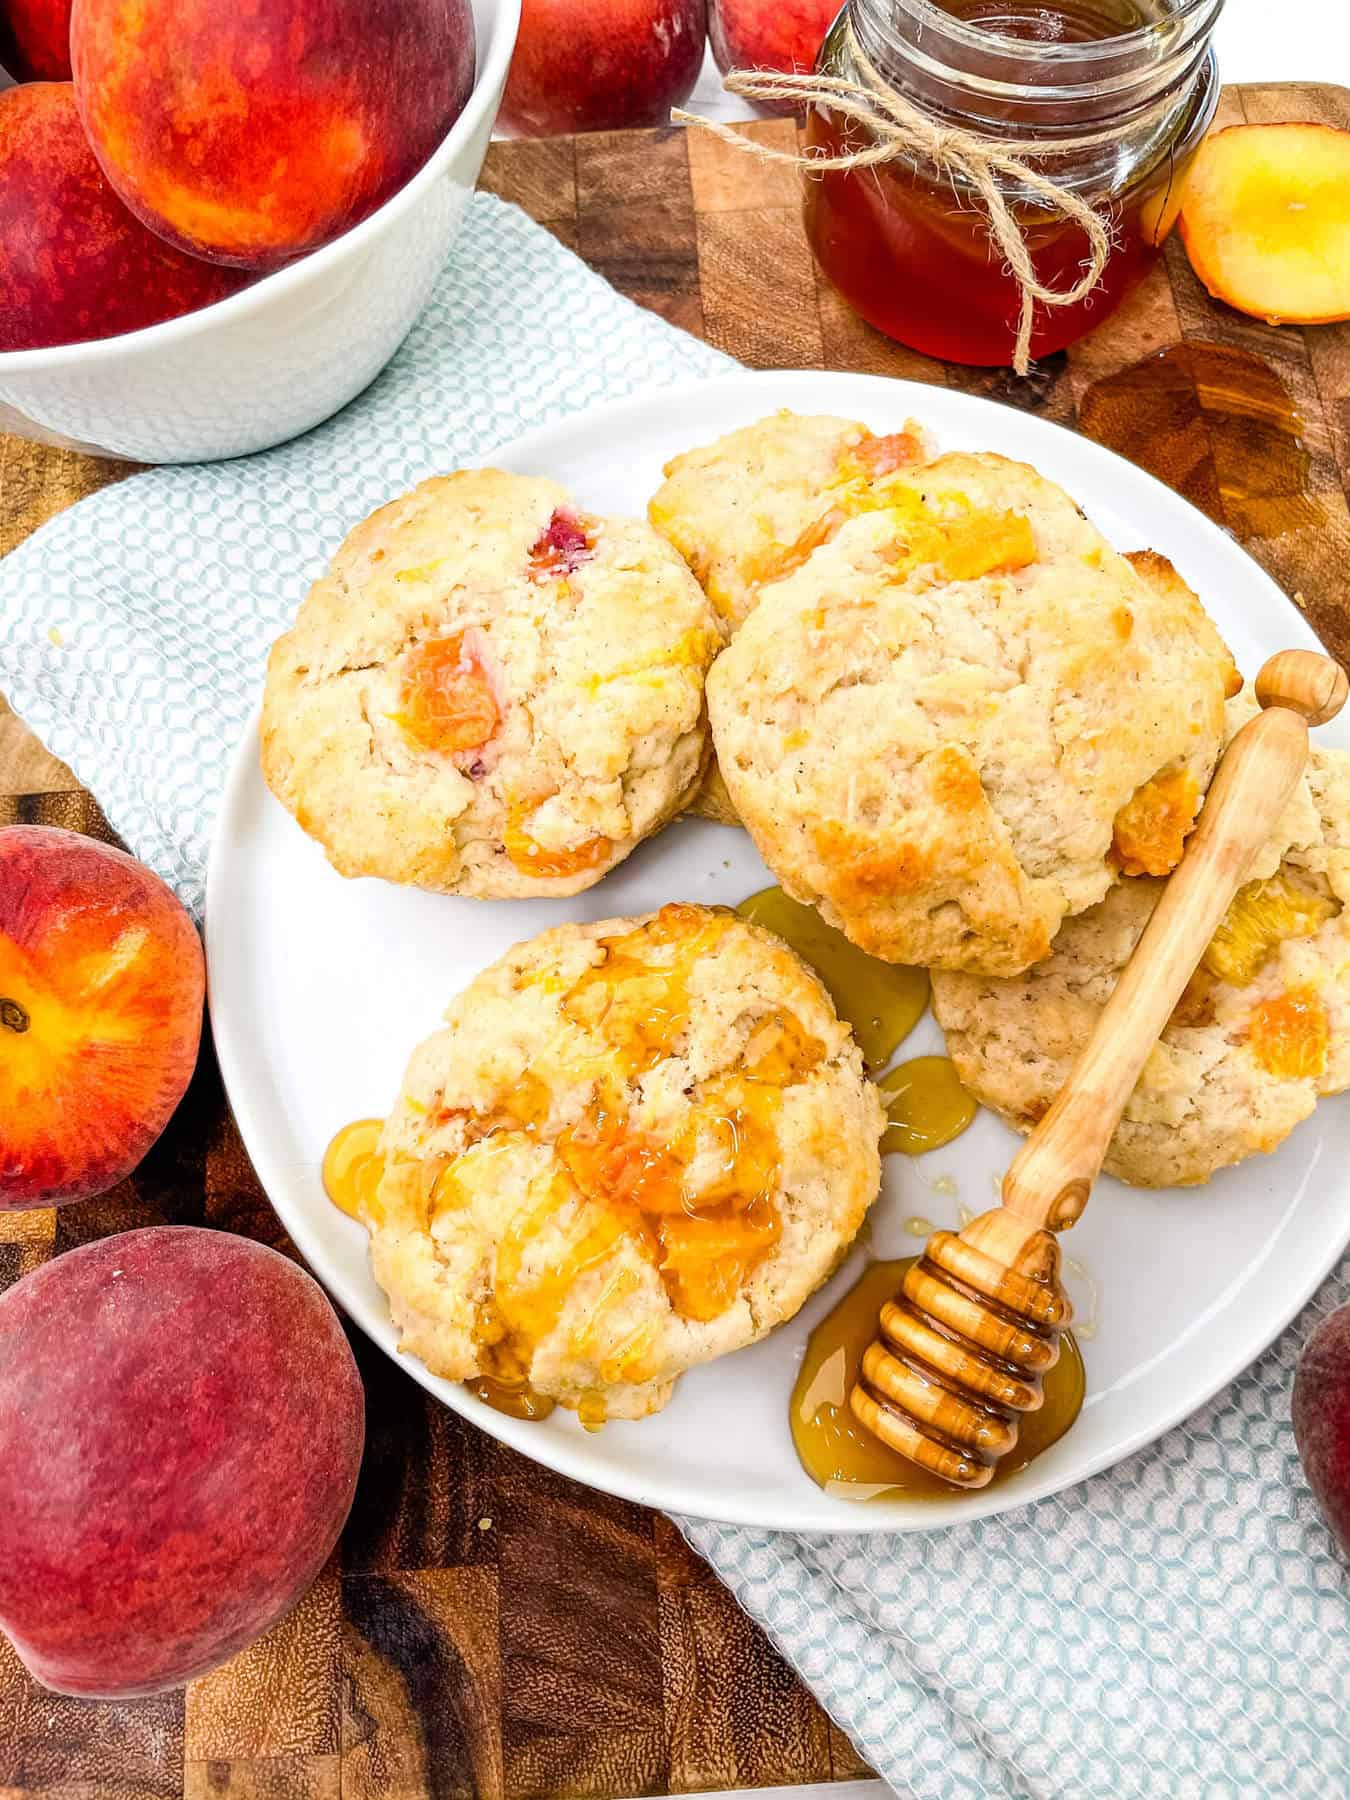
447 701
490 692
750 507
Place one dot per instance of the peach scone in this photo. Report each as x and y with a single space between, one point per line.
490 692
1262 1030
746 509
966 714
636 1145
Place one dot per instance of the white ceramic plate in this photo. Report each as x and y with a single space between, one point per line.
320 988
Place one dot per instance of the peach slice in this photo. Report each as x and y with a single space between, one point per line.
1266 221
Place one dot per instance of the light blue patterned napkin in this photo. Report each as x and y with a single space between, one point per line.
1175 1628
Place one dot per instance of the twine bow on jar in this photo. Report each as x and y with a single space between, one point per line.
900 128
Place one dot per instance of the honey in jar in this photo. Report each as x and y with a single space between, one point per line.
1115 95
842 1457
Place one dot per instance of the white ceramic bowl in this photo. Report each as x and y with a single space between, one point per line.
282 355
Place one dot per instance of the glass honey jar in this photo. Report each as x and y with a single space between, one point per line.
1105 99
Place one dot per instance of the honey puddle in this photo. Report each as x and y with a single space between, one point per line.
846 1460
883 1002
926 1105
517 1399
352 1167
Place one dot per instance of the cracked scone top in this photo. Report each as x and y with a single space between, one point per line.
1261 1032
489 692
965 714
746 508
637 1144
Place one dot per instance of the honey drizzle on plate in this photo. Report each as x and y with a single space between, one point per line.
883 1002
926 1105
517 1399
352 1167
843 1458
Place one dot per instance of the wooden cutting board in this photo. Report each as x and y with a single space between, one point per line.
487 1628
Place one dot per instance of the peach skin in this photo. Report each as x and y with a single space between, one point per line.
251 134
74 263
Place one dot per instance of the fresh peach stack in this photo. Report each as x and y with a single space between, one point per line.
603 65
181 1418
161 154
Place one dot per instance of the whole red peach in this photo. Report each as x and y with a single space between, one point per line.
102 980
181 1424
780 35
602 65
1321 1415
35 39
252 131
74 263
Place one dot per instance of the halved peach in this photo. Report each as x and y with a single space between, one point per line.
1266 221
101 989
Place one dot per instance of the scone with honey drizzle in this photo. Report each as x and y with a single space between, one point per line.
490 692
638 1144
1262 1031
965 714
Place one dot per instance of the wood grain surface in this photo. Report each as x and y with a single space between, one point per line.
486 1627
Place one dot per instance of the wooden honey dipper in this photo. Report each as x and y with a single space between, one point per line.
976 1323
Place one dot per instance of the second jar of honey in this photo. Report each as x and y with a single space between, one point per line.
1108 99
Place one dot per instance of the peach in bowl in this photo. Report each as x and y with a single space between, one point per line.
287 350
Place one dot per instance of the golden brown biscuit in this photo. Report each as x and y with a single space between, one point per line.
744 510
637 1145
1261 1032
965 714
490 693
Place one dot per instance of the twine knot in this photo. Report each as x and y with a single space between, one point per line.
988 165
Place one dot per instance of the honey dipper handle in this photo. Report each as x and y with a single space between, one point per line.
1052 1175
